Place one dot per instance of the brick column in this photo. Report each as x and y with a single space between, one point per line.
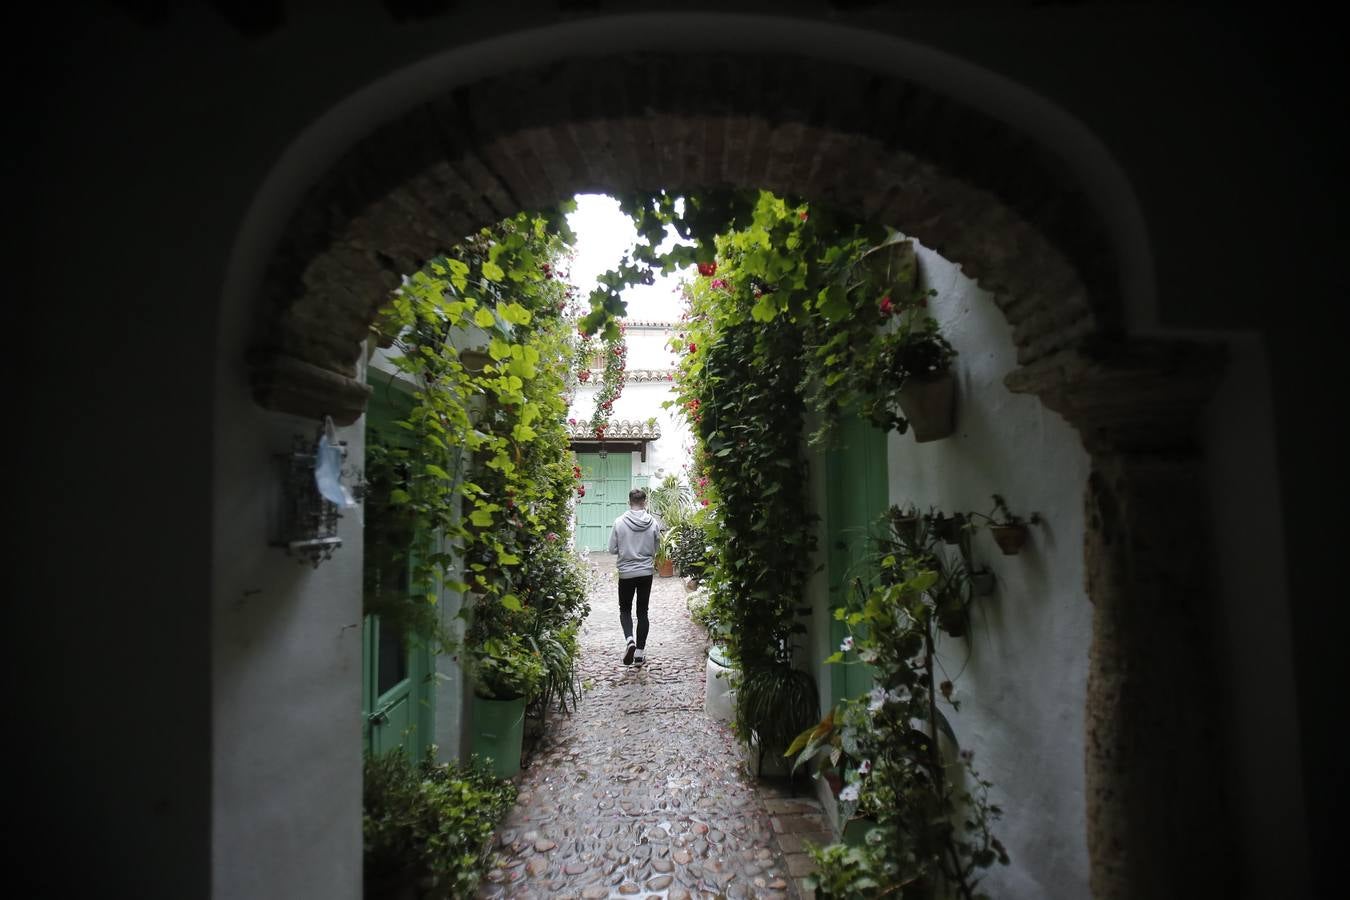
1156 819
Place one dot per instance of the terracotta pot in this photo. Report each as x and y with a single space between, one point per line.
930 407
906 527
1010 538
666 569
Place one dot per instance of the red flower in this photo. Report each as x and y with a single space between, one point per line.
705 502
802 215
707 268
886 305
585 375
576 471
581 490
693 348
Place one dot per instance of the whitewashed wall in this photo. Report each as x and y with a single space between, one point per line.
1023 666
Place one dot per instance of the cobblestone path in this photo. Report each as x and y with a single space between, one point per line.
639 793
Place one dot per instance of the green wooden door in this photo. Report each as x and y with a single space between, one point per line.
397 699
399 707
856 495
607 481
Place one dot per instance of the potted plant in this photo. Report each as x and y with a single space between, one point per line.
949 528
665 553
1009 530
773 703
904 522
506 672
917 361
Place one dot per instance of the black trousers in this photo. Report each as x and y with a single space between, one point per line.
642 586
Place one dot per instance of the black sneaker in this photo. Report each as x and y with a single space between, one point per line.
628 653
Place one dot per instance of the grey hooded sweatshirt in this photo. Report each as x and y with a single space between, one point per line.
635 537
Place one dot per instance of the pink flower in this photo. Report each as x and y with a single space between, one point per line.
551 536
886 306
571 421
802 215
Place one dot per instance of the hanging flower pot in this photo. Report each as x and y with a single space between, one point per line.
905 524
982 583
949 528
1009 538
929 405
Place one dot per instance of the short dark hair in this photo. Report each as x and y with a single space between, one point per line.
637 495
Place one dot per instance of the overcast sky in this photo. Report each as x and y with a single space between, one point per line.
603 235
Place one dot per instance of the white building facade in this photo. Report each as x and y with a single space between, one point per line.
645 442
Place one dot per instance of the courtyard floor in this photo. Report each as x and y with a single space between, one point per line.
639 792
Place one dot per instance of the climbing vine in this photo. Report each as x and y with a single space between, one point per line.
481 332
614 357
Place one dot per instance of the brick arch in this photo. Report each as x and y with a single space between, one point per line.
996 200
876 147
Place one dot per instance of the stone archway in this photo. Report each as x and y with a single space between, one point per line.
983 194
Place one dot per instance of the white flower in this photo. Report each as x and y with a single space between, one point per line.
864 767
846 645
894 696
849 793
876 698
867 656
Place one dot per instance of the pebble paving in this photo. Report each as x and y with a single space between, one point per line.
640 794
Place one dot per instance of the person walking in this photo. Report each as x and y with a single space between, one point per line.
635 537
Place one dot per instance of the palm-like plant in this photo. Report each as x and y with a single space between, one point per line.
671 501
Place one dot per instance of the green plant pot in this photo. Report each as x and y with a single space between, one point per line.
498 729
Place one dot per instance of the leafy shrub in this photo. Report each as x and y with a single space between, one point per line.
507 668
429 824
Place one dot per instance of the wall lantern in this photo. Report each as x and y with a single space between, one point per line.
312 493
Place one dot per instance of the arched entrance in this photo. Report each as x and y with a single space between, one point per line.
1026 209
